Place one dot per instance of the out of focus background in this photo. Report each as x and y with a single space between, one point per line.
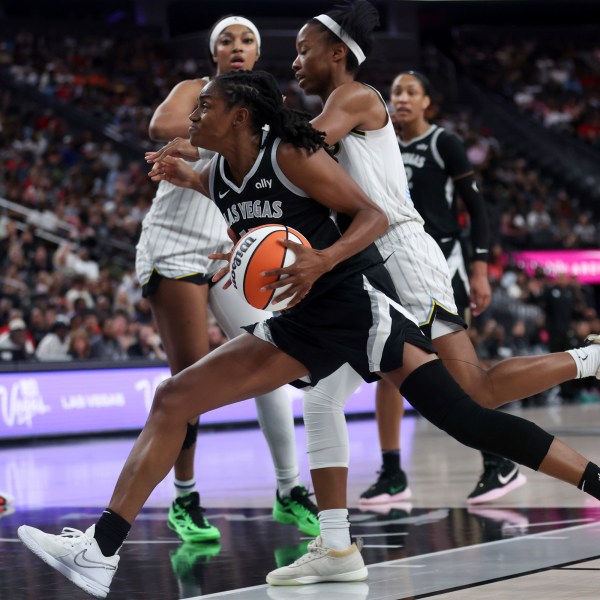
518 81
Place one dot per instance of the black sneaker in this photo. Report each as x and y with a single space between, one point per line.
390 487
497 480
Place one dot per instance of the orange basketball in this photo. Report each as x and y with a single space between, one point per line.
257 251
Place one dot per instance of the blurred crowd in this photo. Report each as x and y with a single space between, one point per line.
555 81
71 206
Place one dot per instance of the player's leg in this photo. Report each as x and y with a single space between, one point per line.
180 310
242 368
292 502
328 451
509 380
437 396
332 556
392 483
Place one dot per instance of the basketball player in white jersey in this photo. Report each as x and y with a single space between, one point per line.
343 310
438 169
357 124
180 231
359 129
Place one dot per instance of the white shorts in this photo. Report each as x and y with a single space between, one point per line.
422 280
182 228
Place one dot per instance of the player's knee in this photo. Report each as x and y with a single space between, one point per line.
165 397
318 402
470 425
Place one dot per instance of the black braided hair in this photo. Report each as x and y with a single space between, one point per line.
259 93
358 18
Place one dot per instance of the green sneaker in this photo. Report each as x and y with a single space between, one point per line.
189 555
297 509
187 520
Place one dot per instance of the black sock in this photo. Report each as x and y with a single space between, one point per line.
111 531
590 480
390 460
492 459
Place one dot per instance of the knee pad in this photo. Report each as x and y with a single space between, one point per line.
326 432
191 435
433 392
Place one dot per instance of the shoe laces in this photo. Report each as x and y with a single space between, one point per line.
315 550
301 496
383 477
191 505
70 536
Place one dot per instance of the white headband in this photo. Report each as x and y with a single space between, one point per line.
335 28
224 24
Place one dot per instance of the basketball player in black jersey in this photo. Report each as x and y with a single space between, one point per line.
437 168
343 309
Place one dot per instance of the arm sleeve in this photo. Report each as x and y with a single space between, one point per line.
480 229
457 165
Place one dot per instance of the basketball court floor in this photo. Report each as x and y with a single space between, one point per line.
540 542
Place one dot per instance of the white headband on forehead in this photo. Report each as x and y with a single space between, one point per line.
225 23
335 28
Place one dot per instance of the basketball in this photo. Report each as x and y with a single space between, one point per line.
257 251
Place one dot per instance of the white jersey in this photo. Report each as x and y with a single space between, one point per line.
413 258
179 232
373 160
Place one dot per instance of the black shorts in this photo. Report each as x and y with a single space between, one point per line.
359 322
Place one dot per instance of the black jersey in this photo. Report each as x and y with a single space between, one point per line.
432 161
266 196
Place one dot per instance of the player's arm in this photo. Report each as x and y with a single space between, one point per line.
460 169
177 172
350 106
322 179
171 118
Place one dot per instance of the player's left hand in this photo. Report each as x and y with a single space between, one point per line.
309 266
481 293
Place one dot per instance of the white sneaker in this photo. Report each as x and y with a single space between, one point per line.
321 564
594 340
74 554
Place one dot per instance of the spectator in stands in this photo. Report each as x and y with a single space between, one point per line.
560 303
14 344
37 326
147 345
71 260
79 290
585 231
107 346
55 344
79 347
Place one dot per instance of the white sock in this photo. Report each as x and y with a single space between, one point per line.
182 488
285 486
587 360
335 528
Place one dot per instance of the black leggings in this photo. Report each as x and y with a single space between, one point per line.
437 396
